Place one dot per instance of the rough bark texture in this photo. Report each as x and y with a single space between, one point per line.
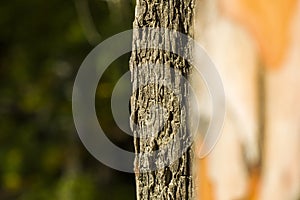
169 123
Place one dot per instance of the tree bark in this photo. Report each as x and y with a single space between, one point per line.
154 128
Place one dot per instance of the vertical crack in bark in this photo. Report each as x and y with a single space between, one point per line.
160 110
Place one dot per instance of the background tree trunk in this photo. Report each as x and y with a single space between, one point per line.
173 181
258 154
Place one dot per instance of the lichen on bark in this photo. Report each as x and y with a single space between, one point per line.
159 102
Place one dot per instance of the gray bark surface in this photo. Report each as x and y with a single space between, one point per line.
170 123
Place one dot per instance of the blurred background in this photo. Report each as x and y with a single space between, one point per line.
42 44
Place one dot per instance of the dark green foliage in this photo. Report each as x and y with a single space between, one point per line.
42 45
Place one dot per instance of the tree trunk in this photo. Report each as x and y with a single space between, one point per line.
159 102
258 155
